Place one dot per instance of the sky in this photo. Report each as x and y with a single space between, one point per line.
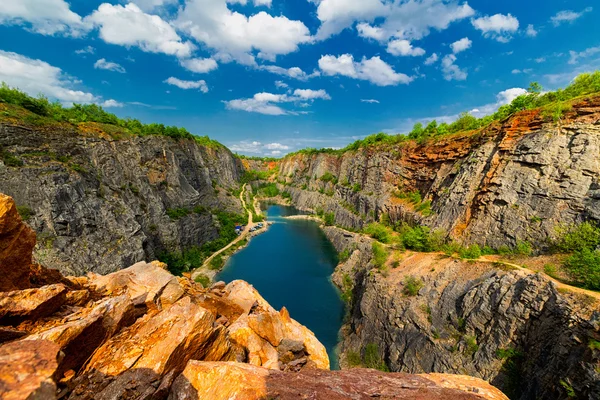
268 77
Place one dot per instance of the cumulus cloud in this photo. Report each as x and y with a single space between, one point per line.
576 56
86 50
270 103
370 101
432 59
111 104
109 66
374 70
236 37
499 27
568 16
294 72
199 65
410 19
151 5
256 147
129 26
36 76
276 146
402 47
452 71
186 85
47 17
281 85
461 45
531 31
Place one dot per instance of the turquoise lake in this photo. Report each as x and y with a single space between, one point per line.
291 265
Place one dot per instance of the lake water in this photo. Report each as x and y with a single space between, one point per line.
290 265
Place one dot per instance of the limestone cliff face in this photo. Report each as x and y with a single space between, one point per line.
515 180
511 327
141 333
99 204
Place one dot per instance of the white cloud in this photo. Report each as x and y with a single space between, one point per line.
432 59
402 47
276 153
281 85
235 37
540 60
370 32
461 45
188 84
277 146
111 103
129 26
575 56
531 31
525 71
86 50
308 94
199 65
370 101
36 76
409 19
294 72
452 71
109 66
498 26
151 5
373 70
268 103
568 16
336 15
47 17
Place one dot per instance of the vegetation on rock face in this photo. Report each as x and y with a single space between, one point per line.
412 285
55 112
380 254
582 241
553 105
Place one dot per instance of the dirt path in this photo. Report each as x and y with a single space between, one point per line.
238 239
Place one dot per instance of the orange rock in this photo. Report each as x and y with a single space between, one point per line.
143 282
26 370
17 241
24 304
233 381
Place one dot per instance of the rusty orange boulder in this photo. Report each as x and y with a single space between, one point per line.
17 241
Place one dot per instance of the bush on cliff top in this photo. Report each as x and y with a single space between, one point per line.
94 113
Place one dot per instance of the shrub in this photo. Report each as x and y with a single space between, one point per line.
380 254
412 285
356 188
372 358
203 280
25 212
415 238
578 237
471 345
523 248
329 219
344 255
584 268
353 359
328 177
472 252
9 159
269 190
378 232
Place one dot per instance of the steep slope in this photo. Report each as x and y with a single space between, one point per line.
511 327
100 203
515 180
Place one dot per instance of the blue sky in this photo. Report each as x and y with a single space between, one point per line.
266 77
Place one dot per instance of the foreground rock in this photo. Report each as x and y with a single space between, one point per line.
231 381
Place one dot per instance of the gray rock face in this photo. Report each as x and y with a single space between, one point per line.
511 328
514 182
99 204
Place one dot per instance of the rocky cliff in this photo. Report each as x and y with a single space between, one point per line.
141 333
509 326
512 181
99 202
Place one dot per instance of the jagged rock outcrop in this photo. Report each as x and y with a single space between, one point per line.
229 381
511 327
99 203
514 180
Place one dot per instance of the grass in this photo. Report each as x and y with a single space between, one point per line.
25 212
178 213
412 285
216 263
329 219
379 232
380 255
415 198
203 280
373 359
